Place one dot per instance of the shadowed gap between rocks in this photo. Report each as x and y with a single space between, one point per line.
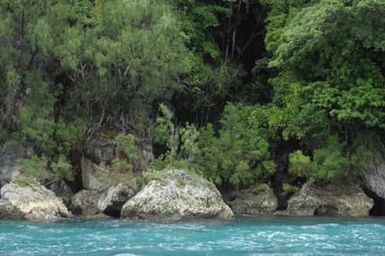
379 204
114 213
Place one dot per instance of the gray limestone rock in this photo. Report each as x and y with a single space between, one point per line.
330 200
374 177
10 152
85 202
115 197
177 195
32 202
91 176
262 202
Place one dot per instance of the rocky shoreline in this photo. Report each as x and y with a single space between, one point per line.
173 195
178 195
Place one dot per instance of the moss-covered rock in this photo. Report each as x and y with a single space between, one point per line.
10 153
93 176
261 201
330 200
108 159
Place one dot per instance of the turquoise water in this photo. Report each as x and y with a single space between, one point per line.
246 236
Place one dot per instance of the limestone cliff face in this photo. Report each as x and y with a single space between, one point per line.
97 153
374 177
91 174
10 152
97 173
32 202
100 149
177 195
330 200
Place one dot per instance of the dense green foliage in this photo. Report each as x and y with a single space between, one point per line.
330 85
244 92
239 153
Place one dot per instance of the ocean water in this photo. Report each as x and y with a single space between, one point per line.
244 236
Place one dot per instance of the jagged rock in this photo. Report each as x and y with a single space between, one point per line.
177 195
85 203
92 176
62 190
374 177
32 202
261 202
9 154
100 149
111 202
330 200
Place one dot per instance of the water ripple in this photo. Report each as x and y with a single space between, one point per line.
247 236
